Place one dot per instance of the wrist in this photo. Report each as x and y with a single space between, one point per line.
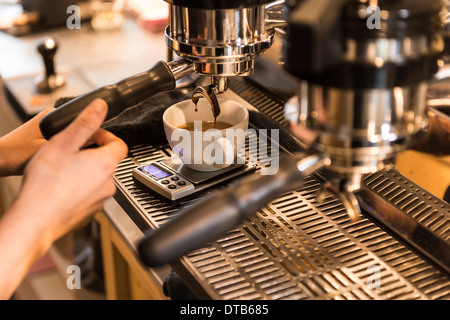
4 167
21 244
25 215
11 152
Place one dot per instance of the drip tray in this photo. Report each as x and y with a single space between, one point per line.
295 247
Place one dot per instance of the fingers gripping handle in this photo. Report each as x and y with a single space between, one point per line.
119 97
217 214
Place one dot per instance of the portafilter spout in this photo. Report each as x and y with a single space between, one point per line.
210 95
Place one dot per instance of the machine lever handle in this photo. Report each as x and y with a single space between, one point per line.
119 97
221 212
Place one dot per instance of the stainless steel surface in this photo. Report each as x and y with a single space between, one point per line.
180 68
276 13
294 248
210 96
381 51
222 42
269 105
221 83
427 244
346 196
310 164
362 129
298 248
428 210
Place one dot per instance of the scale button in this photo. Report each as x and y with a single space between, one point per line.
172 186
174 178
181 183
165 182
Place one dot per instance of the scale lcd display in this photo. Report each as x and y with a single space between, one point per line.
156 171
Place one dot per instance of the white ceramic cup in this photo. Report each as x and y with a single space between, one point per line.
210 150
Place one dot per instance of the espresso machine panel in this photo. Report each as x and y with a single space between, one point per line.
362 98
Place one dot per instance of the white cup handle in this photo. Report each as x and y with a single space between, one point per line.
226 148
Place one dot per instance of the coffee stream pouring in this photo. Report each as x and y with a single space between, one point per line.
362 92
210 96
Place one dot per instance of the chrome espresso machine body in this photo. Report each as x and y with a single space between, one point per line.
361 99
363 82
238 36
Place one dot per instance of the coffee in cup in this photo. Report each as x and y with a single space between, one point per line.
194 139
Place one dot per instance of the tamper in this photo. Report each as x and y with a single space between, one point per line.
50 81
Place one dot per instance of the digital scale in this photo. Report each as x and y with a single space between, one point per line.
173 180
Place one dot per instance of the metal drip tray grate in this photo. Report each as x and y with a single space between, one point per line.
431 212
296 248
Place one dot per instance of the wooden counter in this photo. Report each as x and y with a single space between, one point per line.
430 172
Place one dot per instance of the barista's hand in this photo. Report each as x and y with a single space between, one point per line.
63 186
20 145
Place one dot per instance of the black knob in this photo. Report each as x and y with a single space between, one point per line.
47 47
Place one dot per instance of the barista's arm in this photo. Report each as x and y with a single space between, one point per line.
63 186
20 145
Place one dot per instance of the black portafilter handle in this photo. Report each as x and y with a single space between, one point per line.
119 97
217 214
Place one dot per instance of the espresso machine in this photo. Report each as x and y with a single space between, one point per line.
363 89
361 99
